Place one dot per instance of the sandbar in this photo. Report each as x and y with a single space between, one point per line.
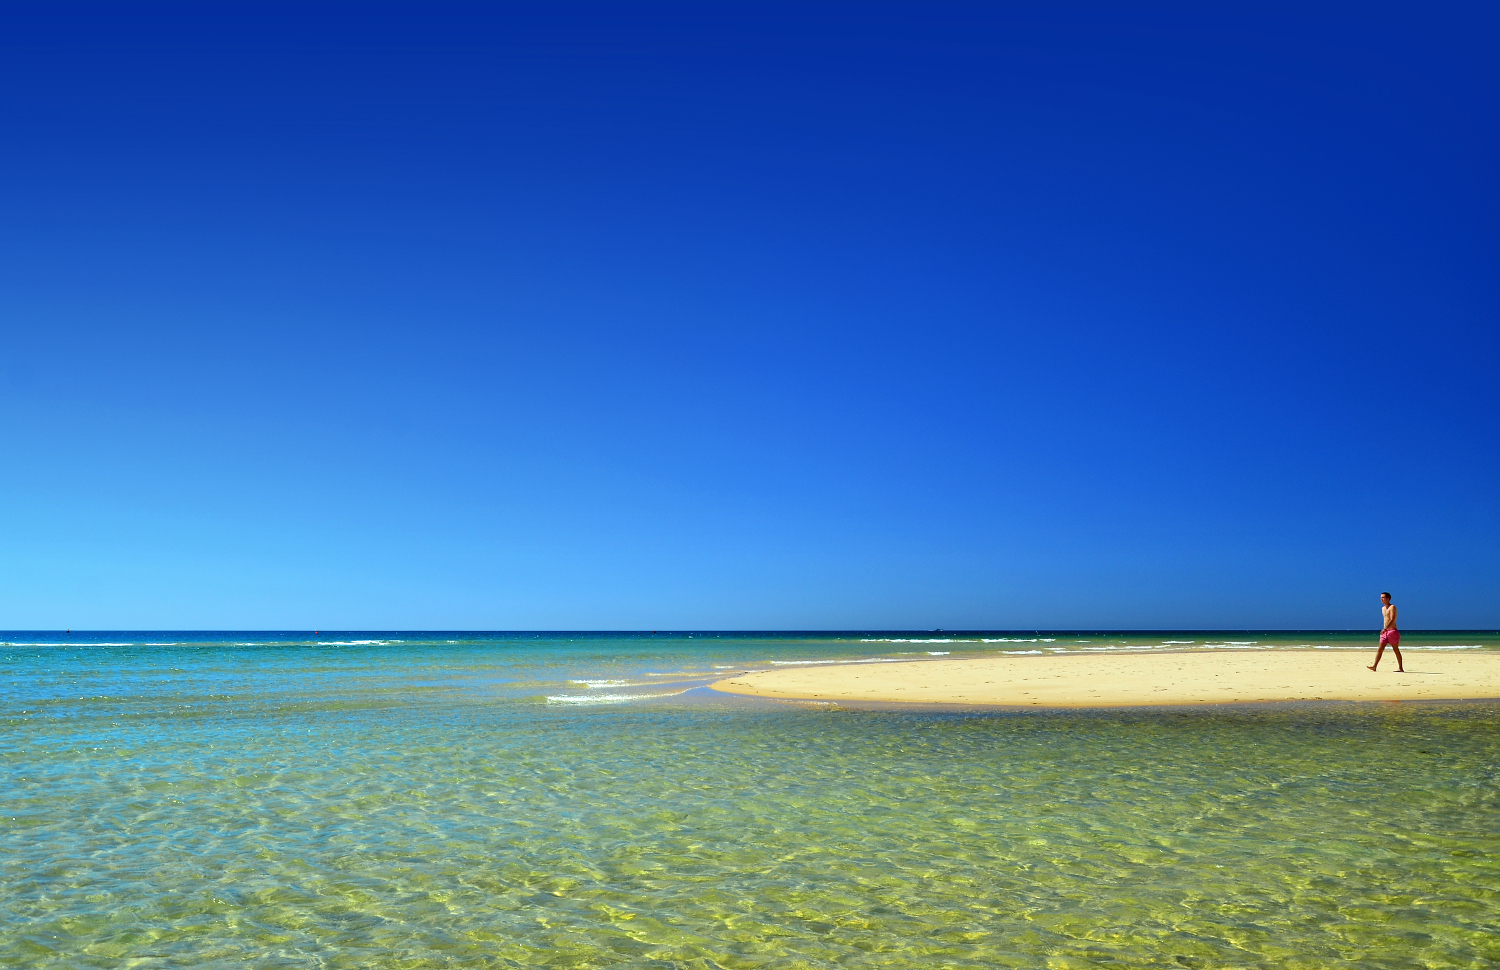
1134 680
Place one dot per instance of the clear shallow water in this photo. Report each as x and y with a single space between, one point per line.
316 802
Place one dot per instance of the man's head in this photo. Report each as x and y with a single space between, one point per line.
1385 598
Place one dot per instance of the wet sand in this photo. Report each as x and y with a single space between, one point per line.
1226 677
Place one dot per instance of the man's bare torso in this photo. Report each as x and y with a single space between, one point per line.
1389 612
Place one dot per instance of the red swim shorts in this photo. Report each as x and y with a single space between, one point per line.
1392 637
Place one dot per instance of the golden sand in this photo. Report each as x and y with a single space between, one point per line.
1228 677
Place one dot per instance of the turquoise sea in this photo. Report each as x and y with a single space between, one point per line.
412 800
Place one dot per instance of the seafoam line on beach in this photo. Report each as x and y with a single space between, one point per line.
871 660
1446 646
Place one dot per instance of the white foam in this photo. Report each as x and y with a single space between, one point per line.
1111 648
1017 653
911 640
938 653
606 698
70 643
1165 642
353 643
1451 646
872 660
604 683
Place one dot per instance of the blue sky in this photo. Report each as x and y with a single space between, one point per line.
564 317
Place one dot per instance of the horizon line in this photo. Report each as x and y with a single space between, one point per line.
788 631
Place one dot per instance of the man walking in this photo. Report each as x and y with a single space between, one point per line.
1389 635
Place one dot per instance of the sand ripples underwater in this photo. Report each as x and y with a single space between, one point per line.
331 818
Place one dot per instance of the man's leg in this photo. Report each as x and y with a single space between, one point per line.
1378 655
1400 667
